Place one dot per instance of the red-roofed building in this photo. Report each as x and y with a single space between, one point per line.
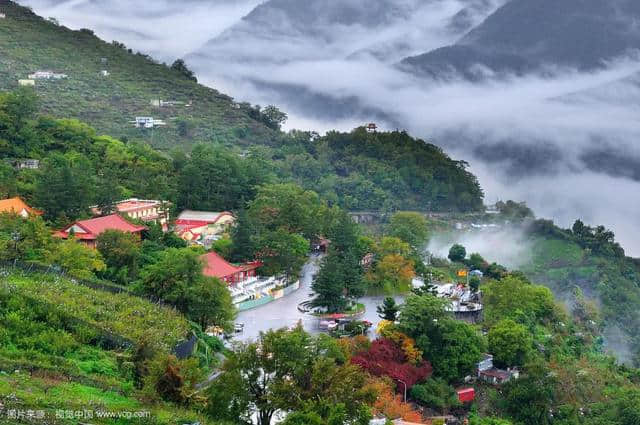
142 209
87 231
216 266
195 226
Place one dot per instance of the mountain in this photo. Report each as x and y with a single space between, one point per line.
284 30
535 35
109 103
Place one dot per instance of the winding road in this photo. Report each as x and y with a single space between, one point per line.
284 311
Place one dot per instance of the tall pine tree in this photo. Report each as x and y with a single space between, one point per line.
244 236
341 275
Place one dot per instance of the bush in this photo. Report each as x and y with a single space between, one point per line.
435 393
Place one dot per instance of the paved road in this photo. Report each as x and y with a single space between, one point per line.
284 312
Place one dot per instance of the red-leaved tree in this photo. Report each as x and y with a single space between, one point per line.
386 358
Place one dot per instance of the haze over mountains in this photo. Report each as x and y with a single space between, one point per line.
540 96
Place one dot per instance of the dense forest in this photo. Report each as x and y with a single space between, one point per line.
356 170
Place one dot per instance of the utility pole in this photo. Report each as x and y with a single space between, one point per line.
405 388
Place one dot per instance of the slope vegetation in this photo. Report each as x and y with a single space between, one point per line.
109 103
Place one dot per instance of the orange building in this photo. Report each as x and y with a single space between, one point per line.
18 206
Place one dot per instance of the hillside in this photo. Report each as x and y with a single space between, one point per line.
30 43
528 35
591 264
66 346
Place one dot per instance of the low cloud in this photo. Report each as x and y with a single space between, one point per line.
566 144
508 246
163 28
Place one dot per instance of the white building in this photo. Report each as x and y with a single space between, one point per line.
27 83
2 16
104 73
46 75
30 164
148 122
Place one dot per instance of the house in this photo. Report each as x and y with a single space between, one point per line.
201 226
18 206
216 266
159 103
466 395
30 164
47 75
2 16
372 127
27 83
142 209
492 375
148 122
104 73
87 231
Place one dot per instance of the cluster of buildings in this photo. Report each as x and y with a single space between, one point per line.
47 75
465 304
248 289
30 81
491 375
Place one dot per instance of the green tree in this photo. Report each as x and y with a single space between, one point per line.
388 310
393 273
436 394
275 118
215 179
289 207
411 227
170 277
328 285
533 303
288 371
243 235
176 277
180 66
529 399
223 246
510 343
121 253
76 259
64 186
453 348
8 186
282 253
24 239
107 193
392 246
457 253
210 304
476 262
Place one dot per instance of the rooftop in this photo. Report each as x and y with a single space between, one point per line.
202 216
216 266
92 228
16 205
